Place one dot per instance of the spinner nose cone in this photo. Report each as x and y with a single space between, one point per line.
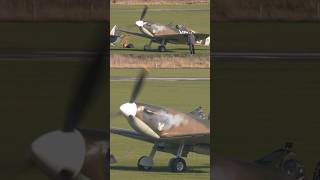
139 23
60 152
128 109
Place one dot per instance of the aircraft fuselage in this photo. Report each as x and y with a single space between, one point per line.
154 29
157 122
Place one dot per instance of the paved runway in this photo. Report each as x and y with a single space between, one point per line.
161 78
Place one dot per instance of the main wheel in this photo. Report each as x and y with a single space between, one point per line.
145 163
162 48
146 47
130 45
294 168
177 165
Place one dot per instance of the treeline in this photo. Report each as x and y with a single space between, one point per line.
55 10
262 10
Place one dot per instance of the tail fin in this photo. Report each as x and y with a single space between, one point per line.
112 159
204 42
207 42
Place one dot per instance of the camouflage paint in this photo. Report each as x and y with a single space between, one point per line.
168 122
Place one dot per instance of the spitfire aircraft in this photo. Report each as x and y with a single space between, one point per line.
73 153
163 34
167 129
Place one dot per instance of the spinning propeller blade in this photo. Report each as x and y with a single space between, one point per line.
138 86
62 153
144 12
84 91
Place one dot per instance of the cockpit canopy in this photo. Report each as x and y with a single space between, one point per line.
181 27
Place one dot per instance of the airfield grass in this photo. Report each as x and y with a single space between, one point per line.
260 105
162 72
266 37
35 97
163 93
195 16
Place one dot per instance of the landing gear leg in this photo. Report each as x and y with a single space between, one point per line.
162 47
147 46
146 162
178 164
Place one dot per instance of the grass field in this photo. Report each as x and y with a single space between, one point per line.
266 37
164 93
260 105
195 16
162 72
34 100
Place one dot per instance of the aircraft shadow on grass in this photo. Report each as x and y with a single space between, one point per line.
191 169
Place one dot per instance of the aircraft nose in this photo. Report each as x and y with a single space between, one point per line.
60 153
129 109
139 23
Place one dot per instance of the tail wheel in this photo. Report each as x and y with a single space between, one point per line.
177 165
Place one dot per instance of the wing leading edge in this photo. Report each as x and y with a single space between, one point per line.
185 139
173 38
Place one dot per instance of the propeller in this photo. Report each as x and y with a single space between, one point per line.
129 109
138 85
140 22
85 91
61 153
144 12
